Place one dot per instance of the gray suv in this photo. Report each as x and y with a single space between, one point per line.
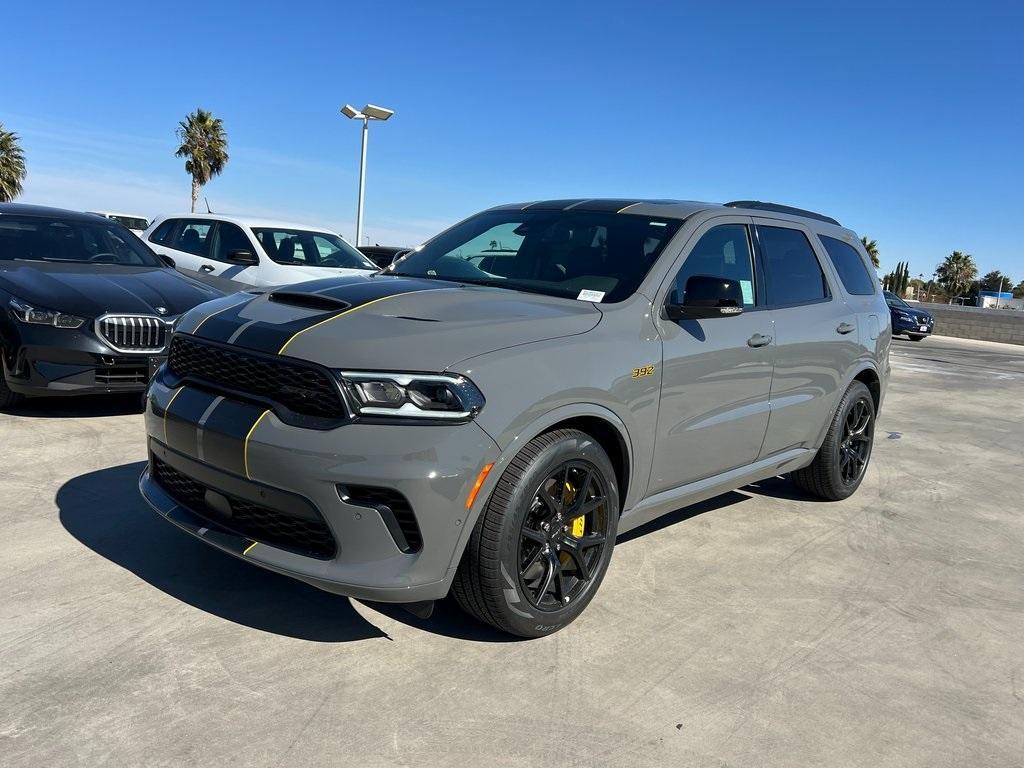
485 416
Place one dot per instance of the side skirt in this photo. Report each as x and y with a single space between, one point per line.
699 490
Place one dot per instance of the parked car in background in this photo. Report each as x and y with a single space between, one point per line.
136 224
485 419
914 322
84 306
383 255
252 251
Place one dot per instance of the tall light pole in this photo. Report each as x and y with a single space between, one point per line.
368 113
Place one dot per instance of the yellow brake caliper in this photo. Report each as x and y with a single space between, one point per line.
577 525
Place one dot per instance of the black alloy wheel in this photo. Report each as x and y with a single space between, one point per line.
855 448
563 535
542 543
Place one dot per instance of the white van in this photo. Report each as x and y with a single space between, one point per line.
253 251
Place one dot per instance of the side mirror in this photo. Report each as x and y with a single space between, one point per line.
167 260
706 297
243 256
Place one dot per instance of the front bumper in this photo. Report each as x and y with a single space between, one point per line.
918 325
246 452
56 361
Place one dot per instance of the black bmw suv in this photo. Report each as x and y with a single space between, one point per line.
908 320
85 306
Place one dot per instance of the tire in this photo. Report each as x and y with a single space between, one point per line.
915 337
830 476
502 578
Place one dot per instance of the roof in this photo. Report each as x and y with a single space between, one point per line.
42 210
245 221
675 209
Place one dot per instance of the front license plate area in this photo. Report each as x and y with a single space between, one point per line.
924 328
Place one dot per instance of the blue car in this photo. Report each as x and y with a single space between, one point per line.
908 320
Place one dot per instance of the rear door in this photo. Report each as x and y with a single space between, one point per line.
816 335
716 373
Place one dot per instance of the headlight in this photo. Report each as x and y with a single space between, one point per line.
411 395
903 314
29 314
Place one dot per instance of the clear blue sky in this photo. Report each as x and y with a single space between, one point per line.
903 120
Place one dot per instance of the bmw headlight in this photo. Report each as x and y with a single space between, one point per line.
29 314
411 395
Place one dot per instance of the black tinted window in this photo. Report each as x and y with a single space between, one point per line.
792 272
162 233
850 266
229 238
723 251
98 241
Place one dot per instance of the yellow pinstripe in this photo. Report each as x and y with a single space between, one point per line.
335 317
245 446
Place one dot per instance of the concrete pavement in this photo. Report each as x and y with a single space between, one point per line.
760 628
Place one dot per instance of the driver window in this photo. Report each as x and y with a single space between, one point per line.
723 251
229 238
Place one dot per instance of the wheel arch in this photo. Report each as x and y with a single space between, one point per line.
587 417
864 372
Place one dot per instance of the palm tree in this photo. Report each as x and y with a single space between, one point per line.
12 165
956 273
204 144
871 246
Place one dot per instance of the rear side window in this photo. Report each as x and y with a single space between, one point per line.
792 272
163 233
850 266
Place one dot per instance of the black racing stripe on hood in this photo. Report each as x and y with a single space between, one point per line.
271 338
220 325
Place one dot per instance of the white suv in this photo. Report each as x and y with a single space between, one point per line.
253 251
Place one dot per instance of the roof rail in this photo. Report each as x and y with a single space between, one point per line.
757 205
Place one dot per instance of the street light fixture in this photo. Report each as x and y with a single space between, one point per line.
368 113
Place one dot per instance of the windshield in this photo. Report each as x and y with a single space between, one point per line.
573 254
894 301
44 238
132 222
310 249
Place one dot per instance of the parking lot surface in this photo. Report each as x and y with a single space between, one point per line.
759 628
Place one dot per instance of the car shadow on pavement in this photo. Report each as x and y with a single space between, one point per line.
105 512
79 407
681 515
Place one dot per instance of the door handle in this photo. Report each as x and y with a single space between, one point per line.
759 340
845 328
206 268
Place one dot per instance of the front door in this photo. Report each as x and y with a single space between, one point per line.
717 373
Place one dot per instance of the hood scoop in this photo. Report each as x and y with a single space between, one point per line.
308 300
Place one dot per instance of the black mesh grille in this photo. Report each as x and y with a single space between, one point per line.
391 504
259 523
308 391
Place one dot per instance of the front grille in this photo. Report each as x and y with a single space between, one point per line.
302 389
133 333
393 508
270 526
